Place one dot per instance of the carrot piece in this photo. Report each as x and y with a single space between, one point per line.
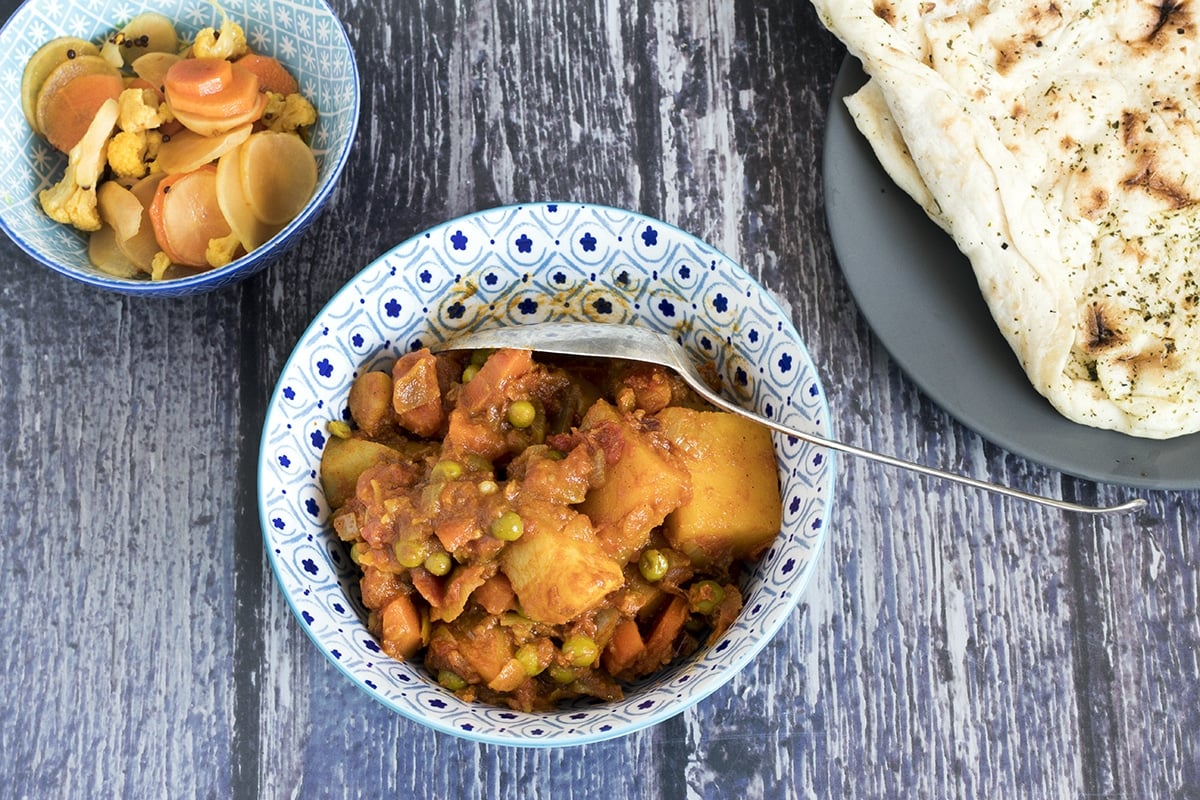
186 216
190 80
272 75
156 216
74 107
210 87
624 649
660 644
207 125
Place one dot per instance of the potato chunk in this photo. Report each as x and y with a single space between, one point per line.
735 509
370 402
643 481
557 568
344 460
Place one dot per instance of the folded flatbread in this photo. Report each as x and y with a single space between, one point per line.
1058 143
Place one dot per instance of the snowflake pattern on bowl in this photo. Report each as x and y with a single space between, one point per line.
510 266
304 35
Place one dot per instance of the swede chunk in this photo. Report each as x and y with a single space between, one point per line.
735 509
644 484
557 568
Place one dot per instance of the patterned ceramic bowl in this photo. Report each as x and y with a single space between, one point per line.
303 34
511 266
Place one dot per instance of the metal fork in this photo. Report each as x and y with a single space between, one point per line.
630 342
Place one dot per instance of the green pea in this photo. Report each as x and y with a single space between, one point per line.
469 372
562 675
527 656
508 526
708 595
439 563
410 552
446 470
480 357
653 565
581 651
451 680
522 413
339 428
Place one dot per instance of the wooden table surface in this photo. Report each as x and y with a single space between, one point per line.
950 645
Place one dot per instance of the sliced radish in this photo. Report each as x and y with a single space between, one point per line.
153 68
119 209
107 256
143 246
188 150
250 230
279 174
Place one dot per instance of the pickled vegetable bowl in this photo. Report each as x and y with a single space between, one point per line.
85 155
509 266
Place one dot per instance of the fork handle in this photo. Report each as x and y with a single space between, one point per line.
1063 505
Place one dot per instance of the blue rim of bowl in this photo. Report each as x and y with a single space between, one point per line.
251 262
767 633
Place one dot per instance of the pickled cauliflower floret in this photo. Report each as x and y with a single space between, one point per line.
136 144
159 266
72 201
288 114
229 42
131 154
139 110
221 251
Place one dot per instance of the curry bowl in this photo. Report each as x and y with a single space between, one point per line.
303 35
510 266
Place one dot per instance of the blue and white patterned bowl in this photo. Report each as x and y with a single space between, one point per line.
303 34
510 266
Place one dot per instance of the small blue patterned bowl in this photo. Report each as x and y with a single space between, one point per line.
510 266
303 34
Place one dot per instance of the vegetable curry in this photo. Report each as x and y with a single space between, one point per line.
543 529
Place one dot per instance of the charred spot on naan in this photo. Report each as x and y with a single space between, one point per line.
1150 180
1172 14
1035 25
886 11
1100 329
1151 24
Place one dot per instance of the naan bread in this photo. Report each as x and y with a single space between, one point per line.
1058 143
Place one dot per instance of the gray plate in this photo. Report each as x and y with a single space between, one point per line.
919 295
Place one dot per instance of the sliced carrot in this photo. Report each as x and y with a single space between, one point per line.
272 75
190 81
210 87
191 216
186 216
156 216
65 111
206 125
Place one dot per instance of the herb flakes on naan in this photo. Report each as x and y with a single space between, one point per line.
1058 143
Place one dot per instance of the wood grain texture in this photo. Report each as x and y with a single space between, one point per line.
949 645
